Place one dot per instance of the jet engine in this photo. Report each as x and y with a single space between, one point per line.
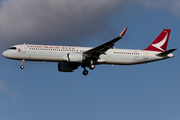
66 67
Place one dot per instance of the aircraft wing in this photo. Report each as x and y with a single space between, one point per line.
94 53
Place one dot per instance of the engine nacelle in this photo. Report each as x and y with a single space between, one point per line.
74 57
65 67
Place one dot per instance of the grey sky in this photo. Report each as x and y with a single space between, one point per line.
67 22
62 20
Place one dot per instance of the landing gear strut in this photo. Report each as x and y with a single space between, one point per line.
92 66
22 66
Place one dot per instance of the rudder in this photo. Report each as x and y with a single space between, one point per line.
160 43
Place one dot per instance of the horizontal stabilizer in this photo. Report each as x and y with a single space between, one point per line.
166 52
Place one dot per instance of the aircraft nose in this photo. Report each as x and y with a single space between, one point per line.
5 54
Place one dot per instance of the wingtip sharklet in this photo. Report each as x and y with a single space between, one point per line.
123 32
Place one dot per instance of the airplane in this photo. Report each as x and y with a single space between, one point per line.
69 58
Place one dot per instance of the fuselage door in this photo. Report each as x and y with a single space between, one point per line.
23 48
145 54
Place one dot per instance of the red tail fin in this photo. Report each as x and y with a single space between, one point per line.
160 43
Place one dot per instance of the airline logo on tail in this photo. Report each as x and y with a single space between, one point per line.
160 43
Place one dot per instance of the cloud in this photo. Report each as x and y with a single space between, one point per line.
48 21
66 22
170 5
5 89
175 7
154 3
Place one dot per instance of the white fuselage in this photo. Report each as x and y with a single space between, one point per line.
59 54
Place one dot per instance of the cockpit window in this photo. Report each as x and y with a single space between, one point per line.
13 48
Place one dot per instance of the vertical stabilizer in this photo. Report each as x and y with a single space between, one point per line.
160 43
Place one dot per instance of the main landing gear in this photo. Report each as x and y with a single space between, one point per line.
92 67
85 72
22 66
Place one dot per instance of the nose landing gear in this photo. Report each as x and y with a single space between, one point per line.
22 66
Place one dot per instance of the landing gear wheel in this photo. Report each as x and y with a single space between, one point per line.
92 67
22 67
85 72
